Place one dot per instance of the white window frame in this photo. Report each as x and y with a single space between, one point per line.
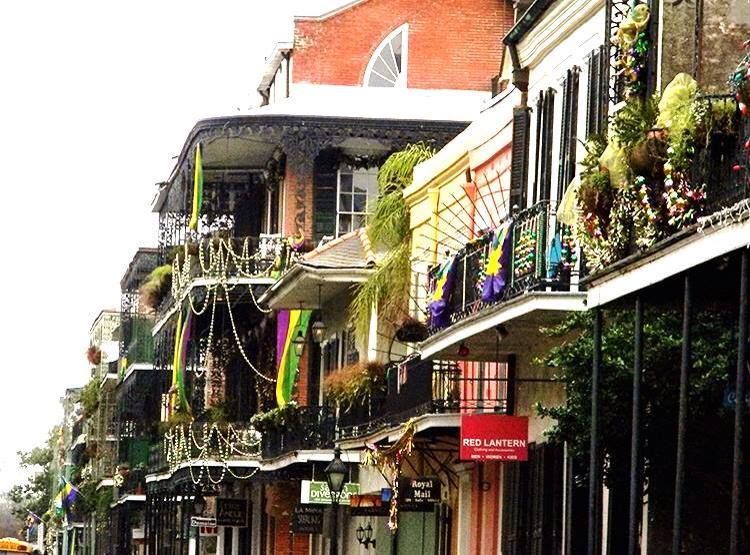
351 213
401 80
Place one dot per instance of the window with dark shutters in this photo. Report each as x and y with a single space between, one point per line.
597 99
568 132
519 169
544 133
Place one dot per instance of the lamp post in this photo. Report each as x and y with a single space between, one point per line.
335 475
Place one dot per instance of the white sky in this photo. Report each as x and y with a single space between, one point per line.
95 100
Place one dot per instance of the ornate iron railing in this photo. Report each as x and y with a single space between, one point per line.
721 161
307 428
419 387
531 268
133 482
220 259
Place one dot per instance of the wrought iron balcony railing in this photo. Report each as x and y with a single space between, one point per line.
420 387
304 428
133 482
530 265
224 260
721 163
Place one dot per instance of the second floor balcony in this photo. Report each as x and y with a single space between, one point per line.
292 428
420 388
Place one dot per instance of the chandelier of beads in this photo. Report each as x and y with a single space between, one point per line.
209 445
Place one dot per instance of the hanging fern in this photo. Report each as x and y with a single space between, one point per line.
387 287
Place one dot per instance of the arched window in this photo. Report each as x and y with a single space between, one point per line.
387 67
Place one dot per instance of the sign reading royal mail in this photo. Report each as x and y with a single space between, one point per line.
494 437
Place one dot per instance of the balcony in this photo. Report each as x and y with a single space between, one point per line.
703 217
218 264
133 481
529 267
284 431
202 443
424 387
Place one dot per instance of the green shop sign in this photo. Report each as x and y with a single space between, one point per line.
317 492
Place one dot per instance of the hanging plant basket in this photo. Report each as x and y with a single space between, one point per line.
411 330
94 355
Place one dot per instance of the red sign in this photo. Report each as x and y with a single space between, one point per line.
494 437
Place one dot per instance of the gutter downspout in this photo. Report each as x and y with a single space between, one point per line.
520 74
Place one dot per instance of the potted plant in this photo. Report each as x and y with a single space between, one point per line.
411 330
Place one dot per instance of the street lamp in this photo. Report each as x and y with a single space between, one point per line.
319 328
299 343
336 473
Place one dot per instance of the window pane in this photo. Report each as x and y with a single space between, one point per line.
360 203
384 71
345 202
389 57
377 81
358 221
346 182
345 223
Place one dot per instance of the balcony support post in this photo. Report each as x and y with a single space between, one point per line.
682 416
594 527
636 492
739 409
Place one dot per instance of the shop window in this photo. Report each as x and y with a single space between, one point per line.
387 67
357 191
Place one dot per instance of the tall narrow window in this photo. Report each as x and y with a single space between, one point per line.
567 168
357 191
387 67
545 115
597 99
519 171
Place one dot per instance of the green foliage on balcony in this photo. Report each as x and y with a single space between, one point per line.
141 348
388 285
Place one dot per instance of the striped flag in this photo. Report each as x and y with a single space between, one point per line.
197 189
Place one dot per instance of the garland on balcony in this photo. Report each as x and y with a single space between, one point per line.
219 443
636 188
388 461
632 42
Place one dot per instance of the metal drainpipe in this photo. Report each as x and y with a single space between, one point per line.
520 74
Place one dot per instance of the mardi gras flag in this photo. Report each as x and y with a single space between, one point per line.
290 324
66 497
197 189
178 396
444 281
496 268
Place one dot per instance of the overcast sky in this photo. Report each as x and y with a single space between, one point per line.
96 98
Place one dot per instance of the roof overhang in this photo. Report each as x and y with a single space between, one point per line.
299 286
279 52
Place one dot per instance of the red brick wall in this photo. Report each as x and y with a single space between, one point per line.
453 44
289 544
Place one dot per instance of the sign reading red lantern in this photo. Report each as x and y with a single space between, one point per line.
494 437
